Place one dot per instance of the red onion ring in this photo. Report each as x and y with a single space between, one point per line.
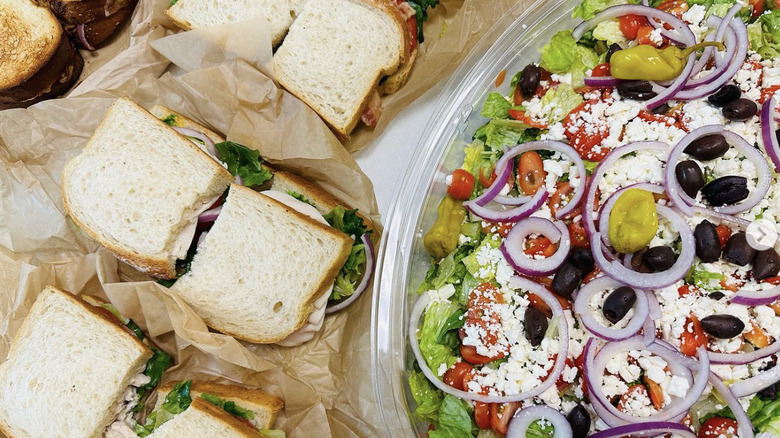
756 383
192 133
560 361
744 358
648 331
511 215
490 193
743 421
756 298
364 282
201 238
655 280
720 33
722 216
210 215
582 308
83 37
678 85
655 306
518 425
512 200
768 129
601 81
648 429
512 246
620 10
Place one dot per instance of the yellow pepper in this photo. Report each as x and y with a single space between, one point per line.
647 63
633 221
443 236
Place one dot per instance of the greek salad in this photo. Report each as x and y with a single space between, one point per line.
605 261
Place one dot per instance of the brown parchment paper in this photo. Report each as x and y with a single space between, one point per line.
325 383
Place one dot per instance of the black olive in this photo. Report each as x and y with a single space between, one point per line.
728 93
726 190
708 147
529 80
618 303
738 250
777 135
770 392
740 110
766 264
566 279
579 419
717 296
582 259
707 242
659 258
535 326
661 109
637 90
614 47
722 326
638 263
690 177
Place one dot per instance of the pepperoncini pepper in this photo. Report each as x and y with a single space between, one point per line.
633 221
443 236
647 63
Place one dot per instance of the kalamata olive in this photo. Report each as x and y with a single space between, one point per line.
529 80
638 90
582 259
770 392
728 93
659 258
661 109
708 147
535 326
566 279
579 419
690 177
777 135
638 263
738 250
707 241
766 264
717 296
618 303
740 110
614 47
722 326
726 190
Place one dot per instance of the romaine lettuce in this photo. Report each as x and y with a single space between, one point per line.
229 406
176 402
454 419
434 324
351 224
564 99
243 162
426 396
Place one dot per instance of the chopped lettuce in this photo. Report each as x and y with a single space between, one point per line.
176 402
496 107
434 325
471 263
421 14
610 32
426 396
450 270
498 133
351 224
763 413
563 55
243 162
764 34
454 419
229 406
155 368
589 8
564 99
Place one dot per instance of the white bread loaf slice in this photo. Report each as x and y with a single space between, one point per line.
29 36
67 370
204 420
138 187
335 54
262 266
277 14
265 406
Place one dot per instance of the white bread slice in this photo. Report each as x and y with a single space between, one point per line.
278 14
398 79
138 185
67 370
204 420
262 266
29 36
265 406
335 54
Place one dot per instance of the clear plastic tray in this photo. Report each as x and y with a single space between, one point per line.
511 44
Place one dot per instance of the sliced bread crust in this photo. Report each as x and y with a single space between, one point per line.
72 390
265 406
137 184
262 266
204 420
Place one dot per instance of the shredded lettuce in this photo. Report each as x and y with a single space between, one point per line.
426 396
351 224
496 107
454 419
176 402
564 99
229 406
243 162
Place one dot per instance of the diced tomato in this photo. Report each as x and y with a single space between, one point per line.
674 7
578 235
758 8
733 287
500 414
724 233
455 374
470 355
686 289
539 246
643 36
521 117
563 192
486 180
500 78
757 336
630 24
585 136
632 391
655 391
601 70
693 336
592 276
482 414
656 118
530 172
481 313
462 184
500 228
768 92
774 281
539 304
719 427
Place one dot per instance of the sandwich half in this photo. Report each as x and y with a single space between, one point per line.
335 54
138 188
75 368
37 61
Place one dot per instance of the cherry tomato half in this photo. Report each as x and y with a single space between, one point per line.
454 376
601 70
462 184
674 7
643 36
482 414
530 172
718 426
724 233
500 414
693 336
583 136
630 24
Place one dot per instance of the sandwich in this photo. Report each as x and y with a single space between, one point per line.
194 409
97 371
37 61
258 253
90 22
